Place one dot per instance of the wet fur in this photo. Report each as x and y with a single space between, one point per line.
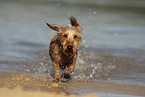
62 56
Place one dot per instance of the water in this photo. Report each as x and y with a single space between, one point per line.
112 47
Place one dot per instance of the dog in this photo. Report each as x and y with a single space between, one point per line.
63 48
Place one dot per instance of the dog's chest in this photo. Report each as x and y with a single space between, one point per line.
65 61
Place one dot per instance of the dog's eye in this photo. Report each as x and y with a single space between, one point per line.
65 36
75 36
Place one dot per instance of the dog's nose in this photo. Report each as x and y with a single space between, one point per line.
69 47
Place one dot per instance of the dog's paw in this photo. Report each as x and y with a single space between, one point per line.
66 75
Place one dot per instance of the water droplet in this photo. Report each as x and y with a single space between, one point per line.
91 76
58 4
84 41
116 34
86 46
94 12
99 63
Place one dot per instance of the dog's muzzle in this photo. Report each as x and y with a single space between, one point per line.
69 51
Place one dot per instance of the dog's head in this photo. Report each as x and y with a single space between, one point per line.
69 37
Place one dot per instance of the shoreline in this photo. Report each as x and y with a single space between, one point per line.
11 80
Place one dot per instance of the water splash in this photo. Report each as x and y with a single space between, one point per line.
89 66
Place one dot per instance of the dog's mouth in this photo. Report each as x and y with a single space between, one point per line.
69 54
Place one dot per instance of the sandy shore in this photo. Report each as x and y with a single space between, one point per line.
12 84
18 92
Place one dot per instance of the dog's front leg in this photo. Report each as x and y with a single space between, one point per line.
69 70
57 71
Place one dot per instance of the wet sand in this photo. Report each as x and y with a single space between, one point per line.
12 84
18 92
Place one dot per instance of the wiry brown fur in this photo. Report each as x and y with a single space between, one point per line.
63 48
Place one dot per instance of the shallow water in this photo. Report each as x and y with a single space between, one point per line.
112 48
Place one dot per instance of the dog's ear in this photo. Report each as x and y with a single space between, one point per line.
54 27
75 23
